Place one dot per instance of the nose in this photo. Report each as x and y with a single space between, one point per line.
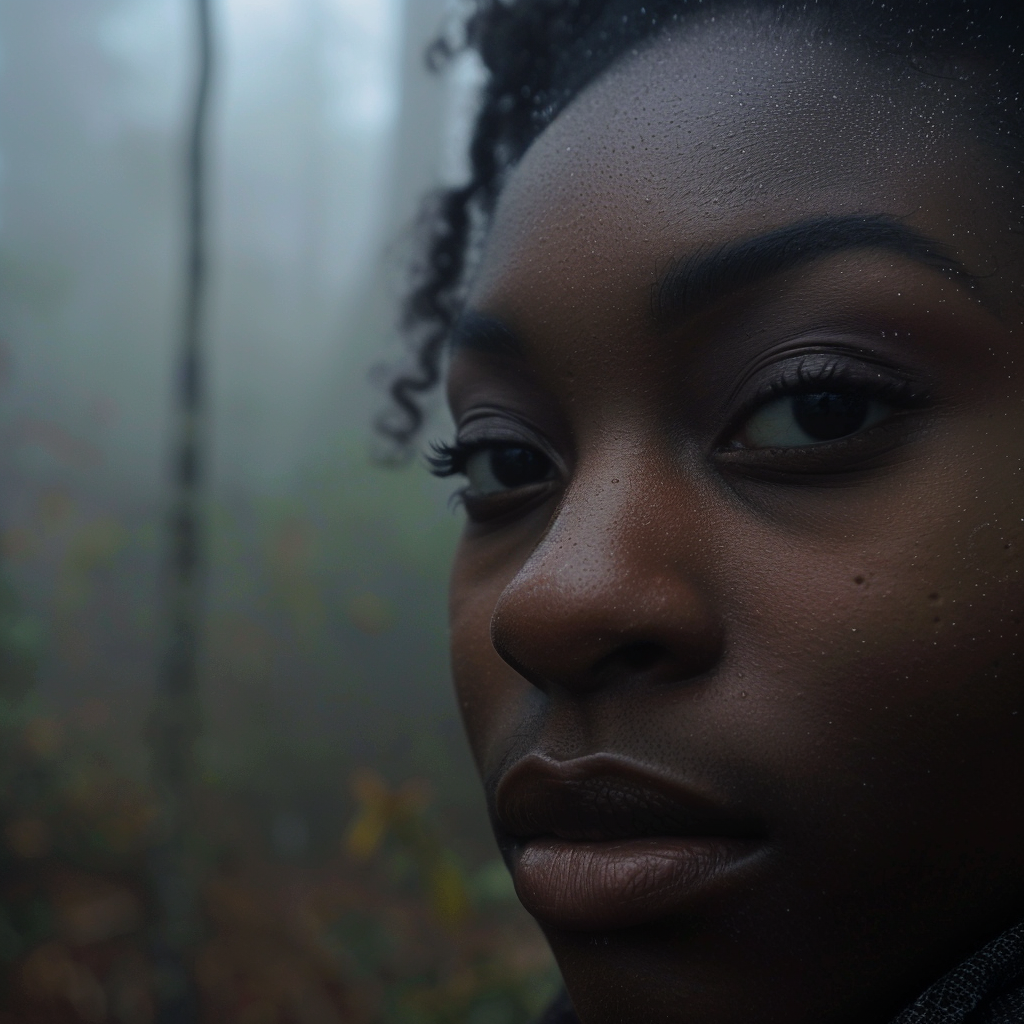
616 591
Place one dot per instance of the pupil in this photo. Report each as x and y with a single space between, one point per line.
828 416
516 467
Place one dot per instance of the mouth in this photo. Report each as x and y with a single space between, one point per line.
598 843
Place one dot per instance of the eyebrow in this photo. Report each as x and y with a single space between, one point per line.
482 333
694 282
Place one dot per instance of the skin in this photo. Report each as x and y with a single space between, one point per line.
831 643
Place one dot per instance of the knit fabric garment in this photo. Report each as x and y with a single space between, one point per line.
987 988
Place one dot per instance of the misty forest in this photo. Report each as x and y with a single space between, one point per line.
235 788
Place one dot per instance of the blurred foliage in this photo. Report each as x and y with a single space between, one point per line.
385 924
329 892
389 929
385 813
325 898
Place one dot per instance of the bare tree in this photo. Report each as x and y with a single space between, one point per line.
175 722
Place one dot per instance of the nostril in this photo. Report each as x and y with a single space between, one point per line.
566 638
638 657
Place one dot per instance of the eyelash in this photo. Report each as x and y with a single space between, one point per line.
800 379
835 375
447 460
450 459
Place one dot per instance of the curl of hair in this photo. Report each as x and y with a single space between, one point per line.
522 46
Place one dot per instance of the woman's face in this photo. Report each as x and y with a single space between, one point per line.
736 617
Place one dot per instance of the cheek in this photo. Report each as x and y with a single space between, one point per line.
885 656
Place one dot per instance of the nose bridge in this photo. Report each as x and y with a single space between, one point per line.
619 572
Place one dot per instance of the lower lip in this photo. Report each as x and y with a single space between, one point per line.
615 884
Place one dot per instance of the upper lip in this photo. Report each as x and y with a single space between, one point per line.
601 797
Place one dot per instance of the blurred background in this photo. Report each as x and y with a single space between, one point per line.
335 863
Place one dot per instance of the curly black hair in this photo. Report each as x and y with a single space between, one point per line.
539 54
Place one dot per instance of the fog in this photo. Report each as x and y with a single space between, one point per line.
323 656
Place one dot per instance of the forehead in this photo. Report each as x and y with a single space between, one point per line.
729 127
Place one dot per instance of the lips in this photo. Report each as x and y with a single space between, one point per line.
600 843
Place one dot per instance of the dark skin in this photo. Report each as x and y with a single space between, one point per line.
741 576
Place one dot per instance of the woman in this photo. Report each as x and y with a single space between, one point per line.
731 316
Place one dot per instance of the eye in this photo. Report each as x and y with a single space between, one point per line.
506 467
798 420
